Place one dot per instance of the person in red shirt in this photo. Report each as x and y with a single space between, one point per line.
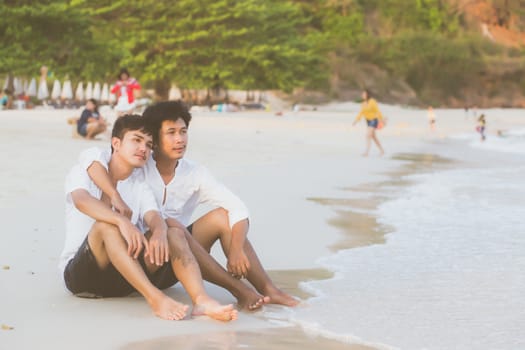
125 89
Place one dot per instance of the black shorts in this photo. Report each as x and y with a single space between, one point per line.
85 278
82 129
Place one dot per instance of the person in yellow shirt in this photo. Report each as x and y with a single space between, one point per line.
374 119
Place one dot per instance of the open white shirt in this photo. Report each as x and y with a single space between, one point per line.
191 186
134 191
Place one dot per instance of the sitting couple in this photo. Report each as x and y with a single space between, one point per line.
128 223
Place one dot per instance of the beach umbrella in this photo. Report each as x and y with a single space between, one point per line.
18 87
43 91
89 90
79 93
112 98
174 93
104 95
96 91
67 90
55 92
24 86
31 89
6 84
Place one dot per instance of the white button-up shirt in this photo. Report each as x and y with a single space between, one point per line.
191 186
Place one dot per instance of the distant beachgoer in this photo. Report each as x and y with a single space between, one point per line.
431 118
125 89
5 99
374 120
502 133
481 126
475 112
91 123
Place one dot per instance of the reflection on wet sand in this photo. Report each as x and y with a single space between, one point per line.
272 338
362 229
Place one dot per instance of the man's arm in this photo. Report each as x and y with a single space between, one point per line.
238 263
100 177
216 194
158 242
99 211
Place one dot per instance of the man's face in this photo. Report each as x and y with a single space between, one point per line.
134 148
173 138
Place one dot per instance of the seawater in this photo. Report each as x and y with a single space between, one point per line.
451 274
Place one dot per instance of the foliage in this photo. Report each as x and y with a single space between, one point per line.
53 33
253 44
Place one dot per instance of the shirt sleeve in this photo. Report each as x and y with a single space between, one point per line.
77 178
215 193
116 88
84 117
94 154
359 115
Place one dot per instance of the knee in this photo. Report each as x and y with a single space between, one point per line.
176 233
220 218
103 229
178 243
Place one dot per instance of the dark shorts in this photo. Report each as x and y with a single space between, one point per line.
82 129
372 123
84 278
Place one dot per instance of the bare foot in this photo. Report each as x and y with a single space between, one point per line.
277 296
251 300
168 309
207 306
364 155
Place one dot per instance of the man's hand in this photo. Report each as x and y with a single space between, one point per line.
120 206
159 252
238 264
134 238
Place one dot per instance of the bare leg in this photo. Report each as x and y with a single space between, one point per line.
215 225
187 271
376 140
93 129
108 246
212 272
369 131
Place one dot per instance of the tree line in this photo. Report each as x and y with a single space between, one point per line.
248 44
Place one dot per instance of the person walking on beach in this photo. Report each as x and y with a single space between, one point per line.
431 118
180 186
125 89
107 255
91 123
481 126
374 120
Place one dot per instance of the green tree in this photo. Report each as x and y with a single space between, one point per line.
53 33
198 44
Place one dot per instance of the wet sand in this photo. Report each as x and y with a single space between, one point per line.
282 338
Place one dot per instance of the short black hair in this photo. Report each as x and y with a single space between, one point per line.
123 71
129 122
157 113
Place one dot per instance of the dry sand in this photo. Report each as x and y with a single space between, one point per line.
274 163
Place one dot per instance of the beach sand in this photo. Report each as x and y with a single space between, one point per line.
301 175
